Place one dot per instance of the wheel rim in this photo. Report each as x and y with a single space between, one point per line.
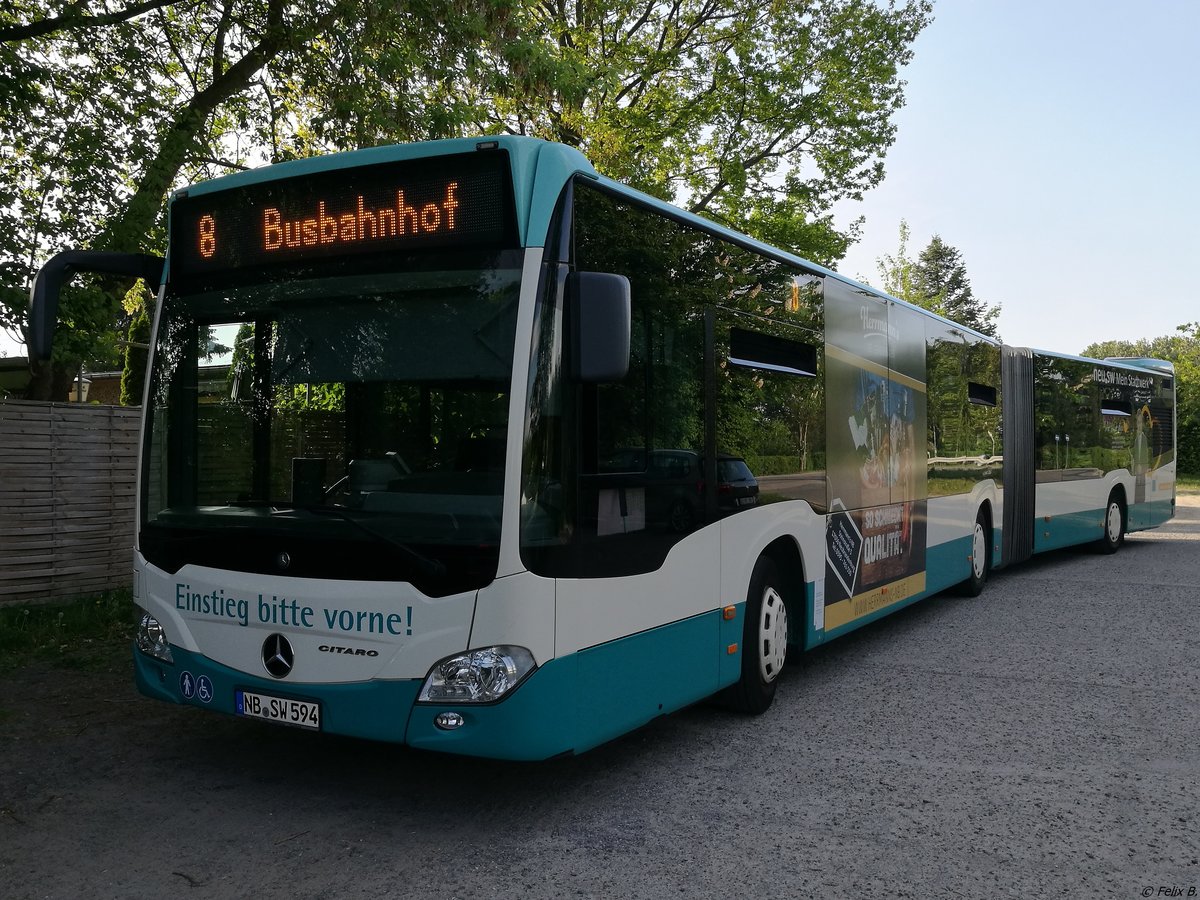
772 635
979 551
681 517
1114 522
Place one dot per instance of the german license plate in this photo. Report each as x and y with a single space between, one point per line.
279 709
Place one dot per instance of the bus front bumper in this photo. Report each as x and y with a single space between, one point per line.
517 727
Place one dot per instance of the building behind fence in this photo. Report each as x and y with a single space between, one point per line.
68 475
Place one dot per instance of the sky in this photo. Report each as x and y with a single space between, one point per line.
1055 145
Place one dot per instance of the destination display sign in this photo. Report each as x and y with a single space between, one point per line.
464 200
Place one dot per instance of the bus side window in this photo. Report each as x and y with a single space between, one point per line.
770 413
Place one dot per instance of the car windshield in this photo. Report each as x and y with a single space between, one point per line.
372 409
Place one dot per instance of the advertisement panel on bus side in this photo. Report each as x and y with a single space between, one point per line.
876 422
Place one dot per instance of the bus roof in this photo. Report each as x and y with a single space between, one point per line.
1144 362
781 255
1133 363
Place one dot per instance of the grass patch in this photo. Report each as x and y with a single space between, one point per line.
1187 484
92 633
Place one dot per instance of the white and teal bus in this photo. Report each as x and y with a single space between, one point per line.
463 446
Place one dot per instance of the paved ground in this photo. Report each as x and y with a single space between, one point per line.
1042 740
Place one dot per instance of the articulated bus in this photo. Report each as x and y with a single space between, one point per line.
463 446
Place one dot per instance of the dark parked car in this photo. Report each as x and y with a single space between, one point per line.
737 487
674 484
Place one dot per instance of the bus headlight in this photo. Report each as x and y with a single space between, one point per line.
477 676
151 639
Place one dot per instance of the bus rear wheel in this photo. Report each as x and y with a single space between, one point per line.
981 558
1114 525
764 640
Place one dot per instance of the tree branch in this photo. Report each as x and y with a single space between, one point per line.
124 233
274 113
221 162
636 26
74 18
191 76
218 56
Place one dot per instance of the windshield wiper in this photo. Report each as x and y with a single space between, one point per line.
423 563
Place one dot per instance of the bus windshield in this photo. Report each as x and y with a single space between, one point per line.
355 425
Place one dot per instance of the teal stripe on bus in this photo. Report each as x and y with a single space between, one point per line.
1067 530
568 704
579 701
946 565
1150 514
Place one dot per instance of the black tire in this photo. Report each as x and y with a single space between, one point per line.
981 557
1114 524
764 640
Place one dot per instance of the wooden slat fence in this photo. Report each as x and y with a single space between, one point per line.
67 492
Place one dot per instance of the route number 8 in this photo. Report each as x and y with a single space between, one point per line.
208 236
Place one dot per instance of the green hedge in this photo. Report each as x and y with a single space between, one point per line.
784 464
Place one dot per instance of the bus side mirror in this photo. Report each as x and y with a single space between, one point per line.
48 282
599 313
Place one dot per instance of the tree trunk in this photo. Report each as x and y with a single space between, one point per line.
50 382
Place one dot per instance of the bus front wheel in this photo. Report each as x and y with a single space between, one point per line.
764 640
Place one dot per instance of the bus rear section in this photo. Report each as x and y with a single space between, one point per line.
1091 450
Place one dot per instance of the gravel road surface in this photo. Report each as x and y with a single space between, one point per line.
1042 740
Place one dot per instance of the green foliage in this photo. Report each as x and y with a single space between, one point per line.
898 271
241 364
937 280
133 374
962 435
73 132
940 276
1188 484
760 116
782 464
1182 349
1176 348
329 397
129 106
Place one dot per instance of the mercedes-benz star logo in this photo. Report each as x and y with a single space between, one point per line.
277 656
283 560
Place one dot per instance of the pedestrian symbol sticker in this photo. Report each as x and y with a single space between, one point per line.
187 685
204 688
